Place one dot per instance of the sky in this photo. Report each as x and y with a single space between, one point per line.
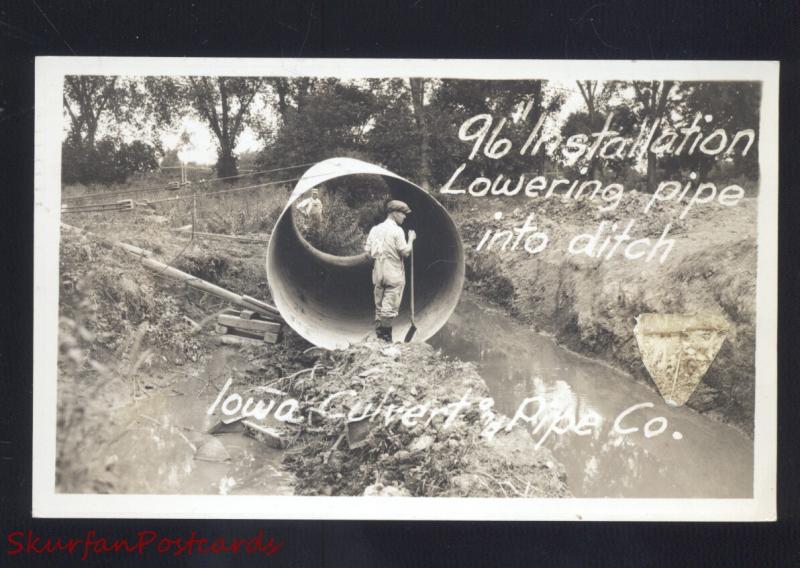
202 149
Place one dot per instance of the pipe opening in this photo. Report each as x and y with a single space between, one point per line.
328 298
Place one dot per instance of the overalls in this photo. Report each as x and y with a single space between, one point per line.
387 245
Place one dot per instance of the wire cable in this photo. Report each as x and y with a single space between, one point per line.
164 187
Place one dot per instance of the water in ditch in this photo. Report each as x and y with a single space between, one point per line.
686 455
156 448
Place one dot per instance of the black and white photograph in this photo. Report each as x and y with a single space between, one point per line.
395 289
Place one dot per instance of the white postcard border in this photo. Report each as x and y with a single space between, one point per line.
50 72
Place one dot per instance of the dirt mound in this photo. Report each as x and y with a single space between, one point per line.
423 428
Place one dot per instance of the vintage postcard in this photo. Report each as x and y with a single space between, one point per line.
405 289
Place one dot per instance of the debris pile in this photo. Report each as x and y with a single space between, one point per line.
402 420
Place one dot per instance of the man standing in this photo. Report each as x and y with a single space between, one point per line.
387 246
311 207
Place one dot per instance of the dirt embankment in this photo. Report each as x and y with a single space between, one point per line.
589 305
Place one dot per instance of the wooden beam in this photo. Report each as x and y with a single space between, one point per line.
237 238
207 287
236 340
248 303
251 325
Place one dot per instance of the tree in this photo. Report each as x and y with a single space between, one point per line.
223 103
458 99
320 120
88 100
732 106
100 109
109 160
601 100
651 101
417 88
596 98
394 137
291 93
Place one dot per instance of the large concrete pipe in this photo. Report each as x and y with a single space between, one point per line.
328 299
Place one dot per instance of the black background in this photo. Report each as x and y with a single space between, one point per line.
629 29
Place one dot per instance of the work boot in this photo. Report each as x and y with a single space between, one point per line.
385 333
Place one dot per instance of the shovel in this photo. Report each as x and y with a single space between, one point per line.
413 329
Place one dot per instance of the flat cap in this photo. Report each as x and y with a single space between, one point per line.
397 205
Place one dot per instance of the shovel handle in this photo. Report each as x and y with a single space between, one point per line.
412 283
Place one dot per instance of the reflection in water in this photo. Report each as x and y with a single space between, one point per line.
693 457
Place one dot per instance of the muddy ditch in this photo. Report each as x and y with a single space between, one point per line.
136 376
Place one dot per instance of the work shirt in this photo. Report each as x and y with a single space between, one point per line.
387 241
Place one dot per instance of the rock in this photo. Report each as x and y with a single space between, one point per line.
402 456
380 490
212 451
465 482
421 444
370 372
227 424
391 351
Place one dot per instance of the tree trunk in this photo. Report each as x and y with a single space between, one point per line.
418 104
652 168
226 161
282 88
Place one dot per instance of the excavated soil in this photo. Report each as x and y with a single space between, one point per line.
422 453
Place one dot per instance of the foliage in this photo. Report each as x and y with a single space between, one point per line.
322 117
107 161
91 101
411 125
732 107
240 213
340 232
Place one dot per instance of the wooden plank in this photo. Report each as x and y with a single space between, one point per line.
271 436
237 238
237 340
254 325
270 337
192 281
135 250
262 306
269 312
246 333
